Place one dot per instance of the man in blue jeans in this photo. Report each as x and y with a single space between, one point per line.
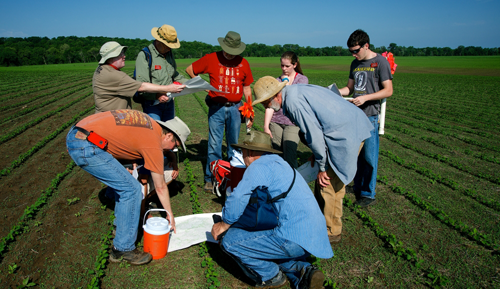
231 75
100 142
268 257
370 80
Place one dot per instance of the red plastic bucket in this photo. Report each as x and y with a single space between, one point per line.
156 235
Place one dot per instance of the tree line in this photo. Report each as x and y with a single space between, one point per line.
16 51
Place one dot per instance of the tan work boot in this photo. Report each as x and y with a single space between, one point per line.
134 257
209 187
334 238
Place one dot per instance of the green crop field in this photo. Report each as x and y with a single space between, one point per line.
436 222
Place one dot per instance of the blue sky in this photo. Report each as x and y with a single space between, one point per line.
312 23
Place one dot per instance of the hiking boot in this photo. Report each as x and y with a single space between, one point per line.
312 278
334 238
365 202
209 187
134 257
275 282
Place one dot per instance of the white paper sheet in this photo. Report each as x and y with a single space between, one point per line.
309 173
194 85
192 230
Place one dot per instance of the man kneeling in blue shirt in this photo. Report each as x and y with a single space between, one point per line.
267 256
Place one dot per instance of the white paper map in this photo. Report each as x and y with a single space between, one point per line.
192 230
194 85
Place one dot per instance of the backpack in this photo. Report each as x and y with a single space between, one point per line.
222 175
137 97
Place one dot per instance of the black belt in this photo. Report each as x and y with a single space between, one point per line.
229 104
94 138
84 131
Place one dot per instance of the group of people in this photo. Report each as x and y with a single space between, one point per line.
336 131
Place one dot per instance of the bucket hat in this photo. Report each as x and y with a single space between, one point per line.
267 87
110 49
167 35
257 141
177 127
232 43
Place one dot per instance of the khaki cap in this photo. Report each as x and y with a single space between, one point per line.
267 87
177 127
109 50
167 35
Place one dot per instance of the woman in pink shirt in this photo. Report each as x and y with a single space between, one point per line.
284 133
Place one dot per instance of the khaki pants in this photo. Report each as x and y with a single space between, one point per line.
330 201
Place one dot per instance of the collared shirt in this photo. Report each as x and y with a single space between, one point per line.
113 89
333 127
300 218
163 69
278 116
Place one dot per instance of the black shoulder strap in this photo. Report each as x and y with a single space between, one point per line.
150 61
283 195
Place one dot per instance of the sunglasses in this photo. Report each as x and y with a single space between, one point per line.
356 51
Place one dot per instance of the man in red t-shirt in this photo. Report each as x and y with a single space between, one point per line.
100 142
229 73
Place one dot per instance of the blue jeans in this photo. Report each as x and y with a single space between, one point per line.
128 192
262 254
163 111
221 118
366 175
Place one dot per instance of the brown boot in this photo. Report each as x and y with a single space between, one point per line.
134 257
334 238
209 187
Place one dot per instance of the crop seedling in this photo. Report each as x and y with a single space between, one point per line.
12 268
26 283
73 201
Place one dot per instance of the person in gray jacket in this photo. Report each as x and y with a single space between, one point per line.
333 128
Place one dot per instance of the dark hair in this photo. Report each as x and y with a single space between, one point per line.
290 55
358 37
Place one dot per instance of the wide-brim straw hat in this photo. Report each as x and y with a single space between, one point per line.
232 43
257 141
167 35
267 87
177 127
109 50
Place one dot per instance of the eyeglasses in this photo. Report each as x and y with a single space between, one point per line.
356 51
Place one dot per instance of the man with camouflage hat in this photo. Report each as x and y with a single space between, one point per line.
334 130
231 74
267 256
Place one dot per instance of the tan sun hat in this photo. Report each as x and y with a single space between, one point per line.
109 50
267 87
167 35
257 141
177 127
232 43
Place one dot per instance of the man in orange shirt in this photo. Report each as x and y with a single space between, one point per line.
99 141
